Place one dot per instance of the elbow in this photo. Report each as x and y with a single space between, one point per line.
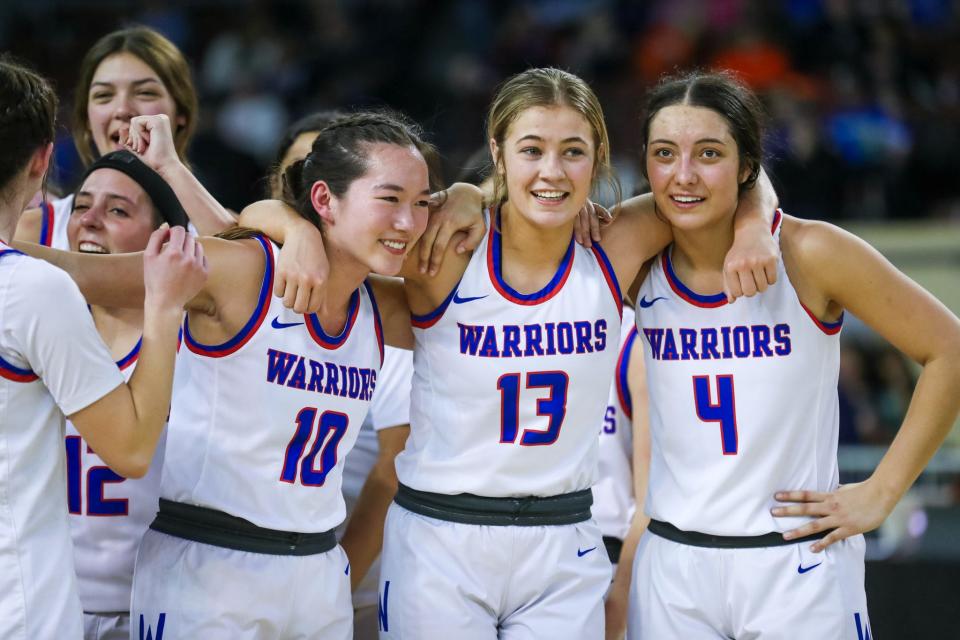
133 465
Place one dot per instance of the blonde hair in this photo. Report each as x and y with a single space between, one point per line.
156 52
547 87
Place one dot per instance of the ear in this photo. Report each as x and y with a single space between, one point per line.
495 157
40 161
180 121
745 173
321 199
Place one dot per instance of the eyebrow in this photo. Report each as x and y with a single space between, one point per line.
564 141
109 196
395 187
135 82
700 141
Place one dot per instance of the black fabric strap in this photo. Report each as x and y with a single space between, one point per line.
697 539
210 526
467 508
614 547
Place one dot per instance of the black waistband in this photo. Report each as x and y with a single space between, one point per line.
697 539
614 547
210 526
467 508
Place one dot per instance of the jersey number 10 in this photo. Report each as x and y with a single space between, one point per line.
330 431
723 411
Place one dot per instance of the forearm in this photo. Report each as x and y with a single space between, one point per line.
151 384
622 578
929 418
110 281
756 205
274 218
206 214
363 538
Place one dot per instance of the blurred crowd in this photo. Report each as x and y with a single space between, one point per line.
863 95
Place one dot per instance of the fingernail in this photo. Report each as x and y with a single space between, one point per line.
780 495
788 536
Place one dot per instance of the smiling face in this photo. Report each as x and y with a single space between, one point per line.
548 158
111 214
124 86
384 211
693 164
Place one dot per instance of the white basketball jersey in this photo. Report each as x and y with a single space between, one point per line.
613 503
390 408
53 223
743 403
52 362
108 515
509 388
260 424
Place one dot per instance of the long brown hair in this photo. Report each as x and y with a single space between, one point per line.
156 52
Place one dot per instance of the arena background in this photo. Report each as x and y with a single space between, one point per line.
864 101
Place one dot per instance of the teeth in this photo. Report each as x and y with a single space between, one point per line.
395 244
552 195
90 247
687 199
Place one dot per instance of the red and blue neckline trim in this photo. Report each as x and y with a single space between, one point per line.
711 301
334 342
495 259
684 292
256 319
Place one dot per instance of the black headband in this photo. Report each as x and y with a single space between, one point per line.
163 197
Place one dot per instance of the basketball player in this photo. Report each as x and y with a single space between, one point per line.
501 336
119 202
743 398
128 73
268 402
52 362
369 477
624 457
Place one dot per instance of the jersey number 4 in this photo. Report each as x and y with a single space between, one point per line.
553 406
97 504
329 432
723 411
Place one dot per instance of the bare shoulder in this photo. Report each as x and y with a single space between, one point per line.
236 269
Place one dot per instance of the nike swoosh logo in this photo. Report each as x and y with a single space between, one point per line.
276 324
644 303
580 554
802 569
458 300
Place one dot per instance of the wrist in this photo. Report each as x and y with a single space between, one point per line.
887 492
171 169
158 312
